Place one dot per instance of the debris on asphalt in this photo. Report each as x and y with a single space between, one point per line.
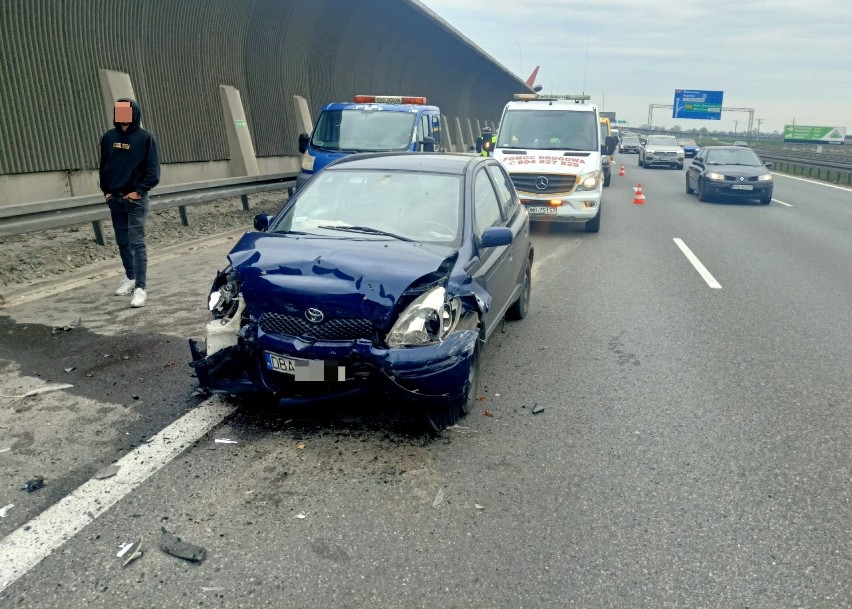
5 450
439 498
69 369
478 507
301 515
301 446
170 544
33 485
135 397
480 398
45 389
199 392
132 550
106 472
67 327
125 357
171 362
487 413
461 429
225 441
5 510
207 589
537 409
89 375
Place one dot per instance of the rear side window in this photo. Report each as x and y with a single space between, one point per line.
508 202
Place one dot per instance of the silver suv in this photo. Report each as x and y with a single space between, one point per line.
661 150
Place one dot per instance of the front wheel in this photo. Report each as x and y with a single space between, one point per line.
766 200
441 416
641 164
594 225
607 177
689 189
521 306
680 166
702 193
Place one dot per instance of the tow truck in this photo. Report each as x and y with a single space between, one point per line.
369 123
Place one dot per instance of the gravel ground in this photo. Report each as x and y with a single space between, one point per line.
33 257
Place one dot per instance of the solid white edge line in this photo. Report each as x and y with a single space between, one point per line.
705 274
781 202
30 543
784 175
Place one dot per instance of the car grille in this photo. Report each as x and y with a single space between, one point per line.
737 178
346 328
556 183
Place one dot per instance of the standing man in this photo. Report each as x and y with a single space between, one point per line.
129 168
485 142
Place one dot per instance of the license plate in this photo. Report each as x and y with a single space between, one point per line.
742 187
550 211
305 370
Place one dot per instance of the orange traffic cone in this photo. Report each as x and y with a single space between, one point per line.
621 173
639 198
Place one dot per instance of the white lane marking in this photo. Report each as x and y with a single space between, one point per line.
560 251
28 545
784 175
782 202
711 281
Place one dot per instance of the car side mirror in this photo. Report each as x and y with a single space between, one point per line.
768 164
427 144
261 222
495 236
611 143
304 138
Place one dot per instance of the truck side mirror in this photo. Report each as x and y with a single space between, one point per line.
304 138
428 144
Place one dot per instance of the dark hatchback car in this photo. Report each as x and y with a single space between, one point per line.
386 271
629 144
729 171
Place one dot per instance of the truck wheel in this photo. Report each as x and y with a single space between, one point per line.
594 225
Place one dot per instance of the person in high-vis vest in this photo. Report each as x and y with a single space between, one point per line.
485 143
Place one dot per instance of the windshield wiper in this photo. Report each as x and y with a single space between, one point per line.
367 230
744 164
289 232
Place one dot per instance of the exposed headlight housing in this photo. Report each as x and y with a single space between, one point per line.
427 320
307 162
223 299
766 177
589 181
714 176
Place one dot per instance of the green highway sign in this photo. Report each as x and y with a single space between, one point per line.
811 133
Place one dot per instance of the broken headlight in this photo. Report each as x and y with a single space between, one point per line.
429 319
223 300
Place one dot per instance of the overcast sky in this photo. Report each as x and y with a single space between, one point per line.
790 60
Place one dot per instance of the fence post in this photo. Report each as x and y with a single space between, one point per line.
99 232
240 148
183 218
244 199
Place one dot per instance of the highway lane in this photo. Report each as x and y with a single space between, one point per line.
693 449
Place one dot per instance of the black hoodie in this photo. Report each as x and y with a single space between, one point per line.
129 159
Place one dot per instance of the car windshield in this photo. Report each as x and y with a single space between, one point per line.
733 156
363 130
629 140
375 204
548 130
661 140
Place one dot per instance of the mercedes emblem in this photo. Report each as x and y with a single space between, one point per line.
541 182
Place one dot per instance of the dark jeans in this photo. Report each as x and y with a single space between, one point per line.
128 222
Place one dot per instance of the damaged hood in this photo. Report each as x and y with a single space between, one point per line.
343 278
549 161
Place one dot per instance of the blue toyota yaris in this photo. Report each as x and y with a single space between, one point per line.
386 270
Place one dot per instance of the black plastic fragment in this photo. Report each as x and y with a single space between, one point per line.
173 545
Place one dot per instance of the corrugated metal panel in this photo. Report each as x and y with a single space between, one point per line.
177 52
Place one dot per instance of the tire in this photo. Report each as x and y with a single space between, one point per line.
594 225
639 159
702 195
441 416
766 200
689 189
607 177
521 306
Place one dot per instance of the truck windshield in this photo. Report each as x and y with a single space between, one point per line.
363 130
549 130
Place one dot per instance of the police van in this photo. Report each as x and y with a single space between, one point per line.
371 123
552 148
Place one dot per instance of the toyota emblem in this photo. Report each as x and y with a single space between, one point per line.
314 315
541 182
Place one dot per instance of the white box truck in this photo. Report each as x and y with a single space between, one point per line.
551 147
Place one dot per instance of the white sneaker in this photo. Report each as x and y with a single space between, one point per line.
126 287
139 298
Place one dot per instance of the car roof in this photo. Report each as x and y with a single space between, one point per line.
723 147
409 161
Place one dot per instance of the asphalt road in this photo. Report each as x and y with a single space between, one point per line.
694 450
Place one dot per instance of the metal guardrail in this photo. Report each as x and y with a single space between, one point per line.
821 169
42 215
